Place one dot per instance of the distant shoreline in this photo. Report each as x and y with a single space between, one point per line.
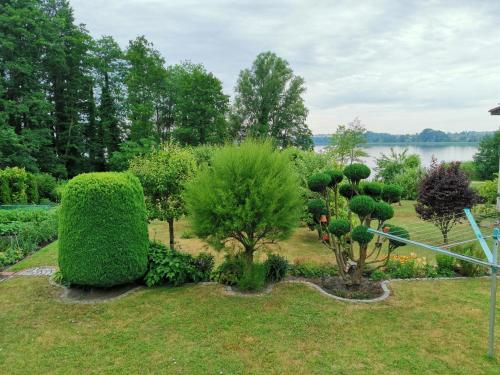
403 144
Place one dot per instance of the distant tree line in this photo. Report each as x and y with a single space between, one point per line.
70 103
425 136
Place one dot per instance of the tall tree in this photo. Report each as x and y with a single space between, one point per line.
145 80
24 108
199 105
269 103
110 72
69 64
346 142
486 158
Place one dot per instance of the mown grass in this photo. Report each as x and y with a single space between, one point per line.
423 328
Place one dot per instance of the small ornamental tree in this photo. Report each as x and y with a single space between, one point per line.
443 195
364 208
163 174
250 194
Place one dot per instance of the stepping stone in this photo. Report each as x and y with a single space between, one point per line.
37 271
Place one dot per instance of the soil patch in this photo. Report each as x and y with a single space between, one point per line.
95 295
334 285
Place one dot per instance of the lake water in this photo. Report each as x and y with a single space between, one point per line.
426 152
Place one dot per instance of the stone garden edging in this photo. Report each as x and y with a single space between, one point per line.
228 290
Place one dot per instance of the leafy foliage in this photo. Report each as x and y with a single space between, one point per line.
362 205
163 174
339 227
253 278
276 267
391 193
382 211
372 189
103 238
170 267
22 231
361 235
486 158
230 270
249 194
443 194
347 190
319 182
346 142
356 172
269 103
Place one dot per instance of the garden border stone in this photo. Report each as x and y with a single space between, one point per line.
228 290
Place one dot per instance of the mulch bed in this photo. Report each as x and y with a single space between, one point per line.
334 285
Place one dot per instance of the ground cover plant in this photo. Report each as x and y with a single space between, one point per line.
103 238
23 231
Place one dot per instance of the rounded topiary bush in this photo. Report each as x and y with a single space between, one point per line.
319 182
362 205
347 190
339 227
336 177
103 235
391 193
357 172
361 235
373 189
316 207
399 232
382 211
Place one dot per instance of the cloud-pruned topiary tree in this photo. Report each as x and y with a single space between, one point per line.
250 194
342 234
103 234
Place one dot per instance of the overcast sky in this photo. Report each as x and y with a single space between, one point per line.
400 66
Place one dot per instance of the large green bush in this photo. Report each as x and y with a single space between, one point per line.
103 237
250 194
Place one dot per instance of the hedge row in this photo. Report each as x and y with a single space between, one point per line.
20 187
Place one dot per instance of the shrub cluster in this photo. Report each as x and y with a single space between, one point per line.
170 267
405 267
20 187
23 231
236 271
103 235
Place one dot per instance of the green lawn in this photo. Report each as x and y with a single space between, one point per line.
423 328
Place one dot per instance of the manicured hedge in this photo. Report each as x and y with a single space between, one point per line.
103 237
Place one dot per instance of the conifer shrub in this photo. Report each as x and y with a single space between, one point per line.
391 193
356 172
372 189
319 182
103 237
362 205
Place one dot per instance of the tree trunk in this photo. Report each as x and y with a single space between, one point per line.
171 232
357 276
249 255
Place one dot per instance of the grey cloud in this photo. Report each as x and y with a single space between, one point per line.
373 59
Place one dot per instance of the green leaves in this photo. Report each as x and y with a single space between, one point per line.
250 193
269 103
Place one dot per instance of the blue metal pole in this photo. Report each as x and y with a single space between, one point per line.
493 295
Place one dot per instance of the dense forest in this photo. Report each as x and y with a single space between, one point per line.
70 103
425 136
